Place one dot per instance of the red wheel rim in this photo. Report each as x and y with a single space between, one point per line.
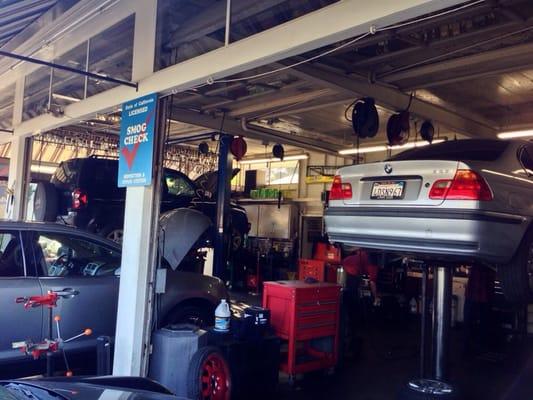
215 378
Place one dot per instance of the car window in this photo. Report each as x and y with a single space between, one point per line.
11 259
456 150
178 185
526 158
60 254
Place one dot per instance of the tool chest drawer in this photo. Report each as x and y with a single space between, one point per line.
302 313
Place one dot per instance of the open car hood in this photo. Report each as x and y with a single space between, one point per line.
208 182
180 230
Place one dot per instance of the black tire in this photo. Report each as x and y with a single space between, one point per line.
45 203
196 315
516 277
208 372
113 232
408 392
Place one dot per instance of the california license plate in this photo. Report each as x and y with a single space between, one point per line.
387 190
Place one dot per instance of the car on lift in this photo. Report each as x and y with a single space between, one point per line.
39 257
83 193
460 200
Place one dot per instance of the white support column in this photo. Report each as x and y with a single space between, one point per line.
142 209
19 161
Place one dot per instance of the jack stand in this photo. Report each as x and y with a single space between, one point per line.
434 348
50 346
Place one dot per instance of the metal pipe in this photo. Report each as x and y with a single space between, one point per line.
86 80
442 302
192 138
228 23
50 83
424 324
68 69
223 198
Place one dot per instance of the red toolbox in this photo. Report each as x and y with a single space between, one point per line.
306 316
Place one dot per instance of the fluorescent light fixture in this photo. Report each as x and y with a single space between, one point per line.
361 150
273 159
66 98
376 149
515 134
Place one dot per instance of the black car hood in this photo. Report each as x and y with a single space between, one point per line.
208 182
86 389
180 230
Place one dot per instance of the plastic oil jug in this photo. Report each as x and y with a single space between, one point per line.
222 316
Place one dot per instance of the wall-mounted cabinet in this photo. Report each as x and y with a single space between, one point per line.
269 221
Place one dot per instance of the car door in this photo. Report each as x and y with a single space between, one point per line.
75 260
17 279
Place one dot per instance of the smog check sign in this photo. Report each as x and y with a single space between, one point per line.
137 141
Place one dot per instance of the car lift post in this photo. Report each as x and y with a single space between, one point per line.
223 198
442 306
435 337
425 331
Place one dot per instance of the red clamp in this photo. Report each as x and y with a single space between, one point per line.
37 349
49 300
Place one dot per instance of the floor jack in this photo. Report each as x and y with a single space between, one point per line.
435 340
48 346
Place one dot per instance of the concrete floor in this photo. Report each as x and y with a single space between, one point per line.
388 358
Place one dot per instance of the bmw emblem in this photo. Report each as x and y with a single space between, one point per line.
388 168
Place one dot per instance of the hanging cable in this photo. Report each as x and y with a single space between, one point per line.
373 29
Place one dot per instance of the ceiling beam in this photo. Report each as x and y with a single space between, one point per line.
304 107
273 103
389 97
234 127
474 10
435 45
484 60
465 77
251 98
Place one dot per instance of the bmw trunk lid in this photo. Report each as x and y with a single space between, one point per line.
396 183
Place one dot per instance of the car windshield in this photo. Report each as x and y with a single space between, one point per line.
472 150
178 184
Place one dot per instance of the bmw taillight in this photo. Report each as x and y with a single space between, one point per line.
466 185
79 199
340 190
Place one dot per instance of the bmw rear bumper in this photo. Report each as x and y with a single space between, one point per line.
445 233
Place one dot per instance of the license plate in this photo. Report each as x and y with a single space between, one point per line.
387 190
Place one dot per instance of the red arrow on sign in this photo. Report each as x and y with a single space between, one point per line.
130 155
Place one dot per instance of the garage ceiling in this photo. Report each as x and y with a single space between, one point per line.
474 63
469 71
16 15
